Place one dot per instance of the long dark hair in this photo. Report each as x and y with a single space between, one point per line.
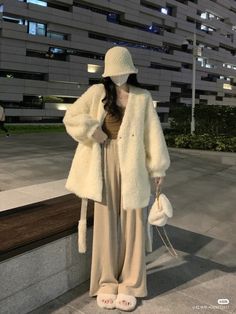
111 96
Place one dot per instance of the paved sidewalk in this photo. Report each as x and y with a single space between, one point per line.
28 159
203 194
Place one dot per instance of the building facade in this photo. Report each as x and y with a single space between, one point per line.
51 51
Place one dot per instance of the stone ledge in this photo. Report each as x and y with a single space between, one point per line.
31 194
31 279
27 227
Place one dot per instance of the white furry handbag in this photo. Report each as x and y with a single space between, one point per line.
159 213
161 209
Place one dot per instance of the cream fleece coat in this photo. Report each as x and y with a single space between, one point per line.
142 148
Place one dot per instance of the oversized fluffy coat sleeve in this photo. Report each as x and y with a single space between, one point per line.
78 122
157 155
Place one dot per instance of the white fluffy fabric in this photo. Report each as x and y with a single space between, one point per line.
160 211
142 148
82 226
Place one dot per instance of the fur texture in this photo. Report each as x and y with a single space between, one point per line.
82 232
142 148
160 211
102 297
128 298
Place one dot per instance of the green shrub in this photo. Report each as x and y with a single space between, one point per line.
203 141
209 119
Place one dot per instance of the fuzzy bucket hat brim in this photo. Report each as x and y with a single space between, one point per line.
118 61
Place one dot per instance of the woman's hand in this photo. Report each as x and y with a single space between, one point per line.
99 135
155 183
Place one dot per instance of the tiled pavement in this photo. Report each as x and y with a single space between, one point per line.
202 230
191 283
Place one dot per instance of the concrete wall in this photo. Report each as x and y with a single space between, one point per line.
38 276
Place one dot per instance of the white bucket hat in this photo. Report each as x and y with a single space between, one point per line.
118 61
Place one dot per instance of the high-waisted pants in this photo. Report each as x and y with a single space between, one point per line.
118 249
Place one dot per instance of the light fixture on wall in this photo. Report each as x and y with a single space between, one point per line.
93 68
227 86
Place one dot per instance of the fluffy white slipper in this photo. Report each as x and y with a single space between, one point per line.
106 300
128 305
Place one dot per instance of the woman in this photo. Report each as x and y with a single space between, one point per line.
2 120
121 151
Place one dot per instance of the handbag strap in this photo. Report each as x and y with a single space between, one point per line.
173 252
158 192
158 189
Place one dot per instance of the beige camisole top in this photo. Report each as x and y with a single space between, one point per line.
111 124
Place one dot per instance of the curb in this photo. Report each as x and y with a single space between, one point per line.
226 158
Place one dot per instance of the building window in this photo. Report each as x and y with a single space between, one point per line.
38 2
154 28
128 43
56 50
85 54
113 17
35 28
164 11
205 28
210 16
56 53
52 53
23 75
204 15
205 64
224 78
56 35
15 20
165 67
230 36
44 3
229 66
168 10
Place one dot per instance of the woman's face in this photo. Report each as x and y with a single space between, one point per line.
119 80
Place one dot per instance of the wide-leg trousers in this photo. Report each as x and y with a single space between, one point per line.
118 249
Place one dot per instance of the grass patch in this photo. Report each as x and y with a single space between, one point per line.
26 128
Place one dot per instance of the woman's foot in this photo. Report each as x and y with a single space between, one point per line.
106 300
125 302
